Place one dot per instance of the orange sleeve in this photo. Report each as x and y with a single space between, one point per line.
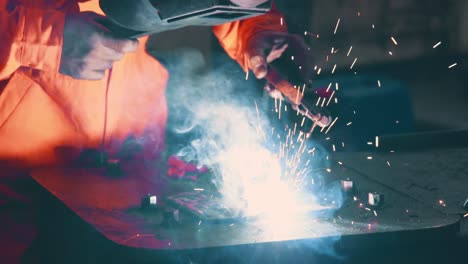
234 36
31 33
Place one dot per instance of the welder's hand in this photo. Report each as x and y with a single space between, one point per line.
267 46
89 49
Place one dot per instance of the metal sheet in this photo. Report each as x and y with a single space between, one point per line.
129 227
437 178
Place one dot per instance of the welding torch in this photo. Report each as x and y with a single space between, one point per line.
296 98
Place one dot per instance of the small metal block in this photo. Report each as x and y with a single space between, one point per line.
172 215
347 185
149 201
375 199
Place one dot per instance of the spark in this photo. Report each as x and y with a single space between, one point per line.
331 96
279 109
336 27
377 142
303 121
391 53
331 125
292 57
379 83
313 128
323 103
328 170
256 109
334 68
328 88
373 26
350 123
465 216
332 50
453 65
394 41
297 96
437 44
388 163
312 151
337 86
334 148
318 101
231 225
247 75
370 158
368 209
341 163
375 213
352 65
281 21
276 105
349 51
336 100
370 143
199 189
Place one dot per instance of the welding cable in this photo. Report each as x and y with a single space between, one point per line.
106 102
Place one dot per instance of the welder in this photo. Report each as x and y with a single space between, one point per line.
58 95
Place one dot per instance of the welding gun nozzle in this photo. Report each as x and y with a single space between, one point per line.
295 97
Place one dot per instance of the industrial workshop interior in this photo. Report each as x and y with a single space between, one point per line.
234 131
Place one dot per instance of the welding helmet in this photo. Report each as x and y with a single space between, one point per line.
142 17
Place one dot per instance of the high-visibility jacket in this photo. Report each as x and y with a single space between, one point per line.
42 111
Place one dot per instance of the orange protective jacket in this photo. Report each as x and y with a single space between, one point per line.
42 110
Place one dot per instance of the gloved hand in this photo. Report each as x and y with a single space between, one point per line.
89 49
267 46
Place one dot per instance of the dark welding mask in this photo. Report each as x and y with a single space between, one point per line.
133 18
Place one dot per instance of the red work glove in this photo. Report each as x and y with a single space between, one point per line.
180 169
265 47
